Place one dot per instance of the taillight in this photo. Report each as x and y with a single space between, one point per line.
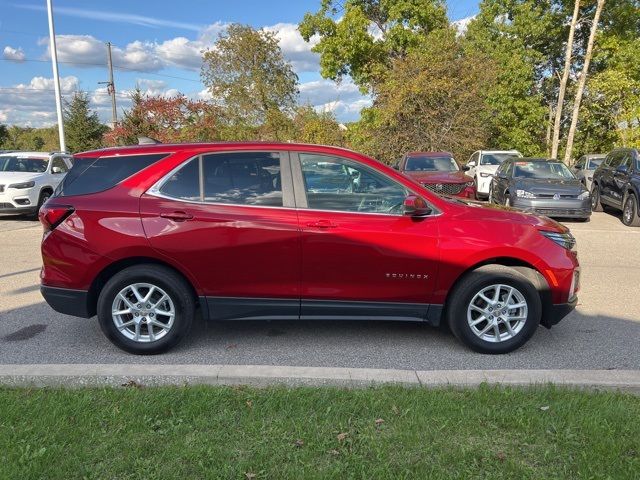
53 215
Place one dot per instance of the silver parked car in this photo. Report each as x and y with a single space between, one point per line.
585 166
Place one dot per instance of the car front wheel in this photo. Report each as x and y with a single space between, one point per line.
630 215
596 206
494 309
146 309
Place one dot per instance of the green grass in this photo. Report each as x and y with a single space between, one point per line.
378 433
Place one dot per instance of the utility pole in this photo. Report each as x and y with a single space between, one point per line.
111 88
56 78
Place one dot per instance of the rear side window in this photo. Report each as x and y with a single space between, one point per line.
92 175
238 178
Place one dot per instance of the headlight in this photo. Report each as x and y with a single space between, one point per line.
584 195
524 194
469 184
23 185
485 175
565 240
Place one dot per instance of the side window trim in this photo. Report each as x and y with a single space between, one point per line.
285 176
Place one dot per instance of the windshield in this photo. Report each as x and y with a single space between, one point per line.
542 170
431 164
23 164
496 158
594 163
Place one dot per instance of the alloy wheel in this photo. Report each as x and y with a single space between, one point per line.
143 312
628 211
497 313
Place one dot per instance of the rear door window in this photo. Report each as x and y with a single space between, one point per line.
93 175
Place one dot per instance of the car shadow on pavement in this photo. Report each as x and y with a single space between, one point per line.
37 334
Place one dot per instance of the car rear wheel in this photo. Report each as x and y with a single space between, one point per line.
596 206
494 309
630 212
146 309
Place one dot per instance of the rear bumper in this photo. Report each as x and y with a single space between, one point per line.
554 313
67 301
565 208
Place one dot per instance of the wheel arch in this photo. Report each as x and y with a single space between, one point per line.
110 270
525 268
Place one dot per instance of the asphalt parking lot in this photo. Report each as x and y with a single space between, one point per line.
603 333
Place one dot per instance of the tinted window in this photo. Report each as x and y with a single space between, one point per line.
243 178
58 163
580 163
496 158
594 163
10 163
334 183
508 169
431 164
92 175
542 170
184 183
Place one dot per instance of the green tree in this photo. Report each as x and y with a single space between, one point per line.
246 72
83 130
310 126
4 134
432 100
369 35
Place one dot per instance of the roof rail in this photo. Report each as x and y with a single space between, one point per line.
148 141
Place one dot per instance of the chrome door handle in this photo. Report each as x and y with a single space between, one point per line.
322 224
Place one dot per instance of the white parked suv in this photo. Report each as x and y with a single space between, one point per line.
28 179
483 164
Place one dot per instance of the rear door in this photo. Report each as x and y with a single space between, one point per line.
361 257
620 178
606 175
228 218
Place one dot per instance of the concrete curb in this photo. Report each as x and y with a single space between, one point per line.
80 375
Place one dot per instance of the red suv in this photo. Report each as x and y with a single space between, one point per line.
145 236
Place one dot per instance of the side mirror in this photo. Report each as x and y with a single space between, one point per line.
472 163
577 167
395 167
415 206
466 168
56 170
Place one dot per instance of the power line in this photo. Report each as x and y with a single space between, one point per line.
116 67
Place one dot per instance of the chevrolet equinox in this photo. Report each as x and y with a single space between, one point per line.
145 236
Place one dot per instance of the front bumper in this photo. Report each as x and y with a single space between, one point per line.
554 313
483 184
18 201
67 301
562 208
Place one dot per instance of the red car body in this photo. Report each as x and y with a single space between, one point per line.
455 183
248 262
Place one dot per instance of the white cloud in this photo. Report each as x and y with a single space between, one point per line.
294 48
33 104
13 54
462 24
343 99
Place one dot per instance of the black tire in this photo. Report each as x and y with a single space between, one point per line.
474 282
596 205
44 196
166 279
630 216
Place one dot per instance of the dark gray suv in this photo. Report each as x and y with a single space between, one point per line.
616 183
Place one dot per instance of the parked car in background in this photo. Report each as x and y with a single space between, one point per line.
616 183
143 235
483 164
542 186
585 166
28 179
439 172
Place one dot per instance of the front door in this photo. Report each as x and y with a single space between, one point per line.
229 220
361 257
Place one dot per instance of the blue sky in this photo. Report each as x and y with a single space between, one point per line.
157 46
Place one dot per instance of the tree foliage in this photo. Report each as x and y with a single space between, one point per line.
246 73
33 139
168 119
82 127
